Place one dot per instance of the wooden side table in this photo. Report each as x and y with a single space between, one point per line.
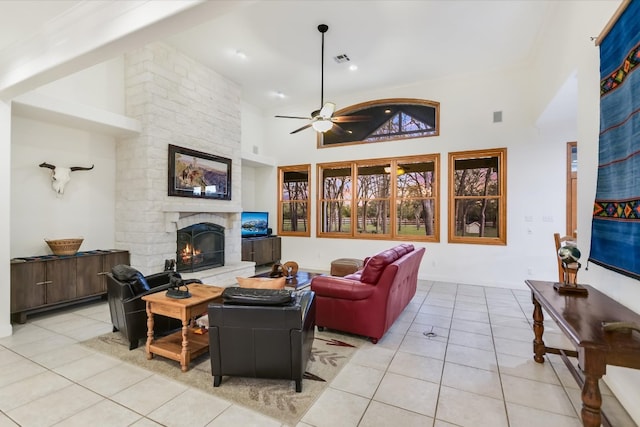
581 319
182 345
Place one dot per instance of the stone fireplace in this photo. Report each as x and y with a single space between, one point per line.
181 102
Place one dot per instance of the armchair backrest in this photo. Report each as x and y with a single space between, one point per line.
124 290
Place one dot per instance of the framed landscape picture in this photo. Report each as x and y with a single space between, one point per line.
196 174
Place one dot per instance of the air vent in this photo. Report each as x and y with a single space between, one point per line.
341 58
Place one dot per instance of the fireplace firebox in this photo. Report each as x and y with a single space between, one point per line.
200 246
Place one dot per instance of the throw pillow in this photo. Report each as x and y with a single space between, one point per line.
140 284
376 264
128 274
124 273
261 282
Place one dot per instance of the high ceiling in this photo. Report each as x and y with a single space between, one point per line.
393 43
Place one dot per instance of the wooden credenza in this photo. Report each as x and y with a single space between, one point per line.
44 282
261 250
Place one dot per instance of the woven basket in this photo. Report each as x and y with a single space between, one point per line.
64 246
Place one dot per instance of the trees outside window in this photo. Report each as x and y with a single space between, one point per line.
417 204
335 199
477 197
392 198
294 204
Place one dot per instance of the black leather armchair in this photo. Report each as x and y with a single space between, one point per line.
128 310
262 341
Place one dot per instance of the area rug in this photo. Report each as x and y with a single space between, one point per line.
275 398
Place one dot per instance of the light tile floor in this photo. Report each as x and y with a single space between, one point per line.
475 369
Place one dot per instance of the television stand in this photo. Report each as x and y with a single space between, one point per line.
261 250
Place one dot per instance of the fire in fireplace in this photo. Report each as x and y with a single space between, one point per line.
200 246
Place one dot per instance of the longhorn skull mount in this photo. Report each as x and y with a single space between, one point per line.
61 175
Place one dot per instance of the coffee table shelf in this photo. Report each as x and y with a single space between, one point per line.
170 346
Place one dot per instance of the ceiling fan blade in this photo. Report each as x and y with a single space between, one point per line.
327 110
347 119
293 117
302 128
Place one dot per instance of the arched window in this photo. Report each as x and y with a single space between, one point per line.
388 120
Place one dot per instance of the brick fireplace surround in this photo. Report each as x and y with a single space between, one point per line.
178 101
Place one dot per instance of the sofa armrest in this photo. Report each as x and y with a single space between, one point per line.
338 287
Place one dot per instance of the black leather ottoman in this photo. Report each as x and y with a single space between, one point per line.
262 341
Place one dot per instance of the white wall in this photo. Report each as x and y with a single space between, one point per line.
88 205
5 229
251 130
86 209
467 104
100 86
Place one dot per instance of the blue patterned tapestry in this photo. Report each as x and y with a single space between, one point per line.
615 231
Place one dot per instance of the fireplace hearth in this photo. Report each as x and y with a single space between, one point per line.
199 247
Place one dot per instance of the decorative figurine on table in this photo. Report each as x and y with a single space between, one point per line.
290 269
569 256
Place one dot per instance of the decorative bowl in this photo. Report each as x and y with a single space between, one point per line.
64 246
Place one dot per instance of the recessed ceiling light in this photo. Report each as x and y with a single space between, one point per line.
353 67
240 54
280 95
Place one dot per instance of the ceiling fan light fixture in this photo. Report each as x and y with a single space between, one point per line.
399 170
322 125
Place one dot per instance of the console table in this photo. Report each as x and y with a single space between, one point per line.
581 319
45 282
261 250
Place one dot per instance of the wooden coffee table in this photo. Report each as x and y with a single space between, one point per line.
300 281
183 345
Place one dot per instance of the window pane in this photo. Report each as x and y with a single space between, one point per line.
477 177
477 197
476 217
415 217
293 200
295 185
336 217
336 183
294 216
415 179
374 217
374 181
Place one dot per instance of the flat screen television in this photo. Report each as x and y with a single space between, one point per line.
253 224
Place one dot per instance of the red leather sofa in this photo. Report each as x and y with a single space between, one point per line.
368 301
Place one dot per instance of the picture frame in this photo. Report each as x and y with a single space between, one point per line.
197 174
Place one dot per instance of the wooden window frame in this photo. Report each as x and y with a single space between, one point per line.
393 198
501 154
360 109
281 200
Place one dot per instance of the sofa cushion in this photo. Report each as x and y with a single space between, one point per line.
376 264
403 249
355 276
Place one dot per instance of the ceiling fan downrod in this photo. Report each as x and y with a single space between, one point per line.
323 28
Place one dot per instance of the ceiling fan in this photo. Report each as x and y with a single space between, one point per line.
322 120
